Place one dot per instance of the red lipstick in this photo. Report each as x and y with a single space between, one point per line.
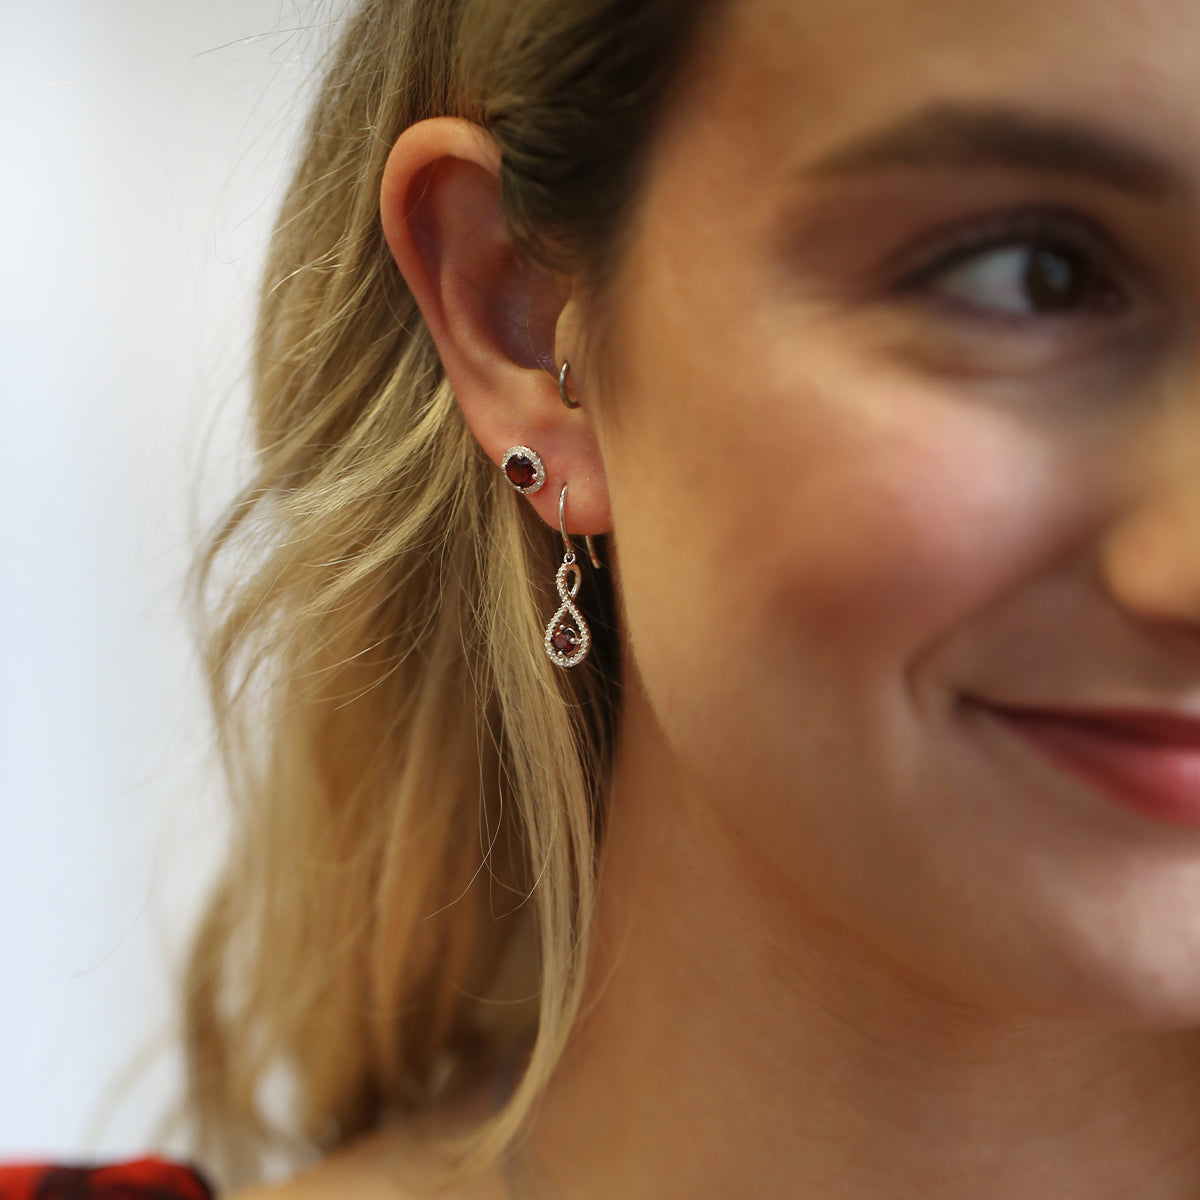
1148 760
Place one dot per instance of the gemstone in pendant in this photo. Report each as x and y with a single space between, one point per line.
565 639
520 471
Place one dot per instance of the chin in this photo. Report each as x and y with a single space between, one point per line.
1135 990
1145 1001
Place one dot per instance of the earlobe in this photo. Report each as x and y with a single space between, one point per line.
492 313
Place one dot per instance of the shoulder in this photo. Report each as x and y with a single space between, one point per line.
359 1171
367 1169
362 1170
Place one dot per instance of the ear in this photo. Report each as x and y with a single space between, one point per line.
495 317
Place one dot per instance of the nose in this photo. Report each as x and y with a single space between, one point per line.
1150 558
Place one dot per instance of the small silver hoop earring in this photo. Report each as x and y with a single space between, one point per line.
568 638
524 469
562 386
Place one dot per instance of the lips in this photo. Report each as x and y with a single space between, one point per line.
1148 761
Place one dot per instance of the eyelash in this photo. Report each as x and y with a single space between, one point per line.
1072 234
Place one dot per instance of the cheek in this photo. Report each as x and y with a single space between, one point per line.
893 537
808 554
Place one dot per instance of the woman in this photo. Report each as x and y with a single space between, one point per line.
859 853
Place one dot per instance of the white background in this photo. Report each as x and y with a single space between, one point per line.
144 145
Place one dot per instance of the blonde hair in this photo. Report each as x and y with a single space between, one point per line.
416 789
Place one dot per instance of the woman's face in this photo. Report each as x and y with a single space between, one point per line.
905 423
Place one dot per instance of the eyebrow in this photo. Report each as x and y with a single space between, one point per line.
955 136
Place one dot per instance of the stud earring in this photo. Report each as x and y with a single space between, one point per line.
523 468
568 638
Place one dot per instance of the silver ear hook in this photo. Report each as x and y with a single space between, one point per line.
562 386
568 549
566 399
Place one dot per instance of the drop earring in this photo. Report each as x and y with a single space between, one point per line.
568 638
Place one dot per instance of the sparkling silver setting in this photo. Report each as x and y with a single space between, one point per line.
567 581
539 469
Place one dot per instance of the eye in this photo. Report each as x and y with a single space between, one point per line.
1028 267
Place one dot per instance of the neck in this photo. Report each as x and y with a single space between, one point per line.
738 1043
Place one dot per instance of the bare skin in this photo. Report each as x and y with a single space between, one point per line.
855 939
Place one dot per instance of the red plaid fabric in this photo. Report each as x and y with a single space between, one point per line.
140 1179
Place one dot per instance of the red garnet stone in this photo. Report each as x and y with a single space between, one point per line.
520 471
565 639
